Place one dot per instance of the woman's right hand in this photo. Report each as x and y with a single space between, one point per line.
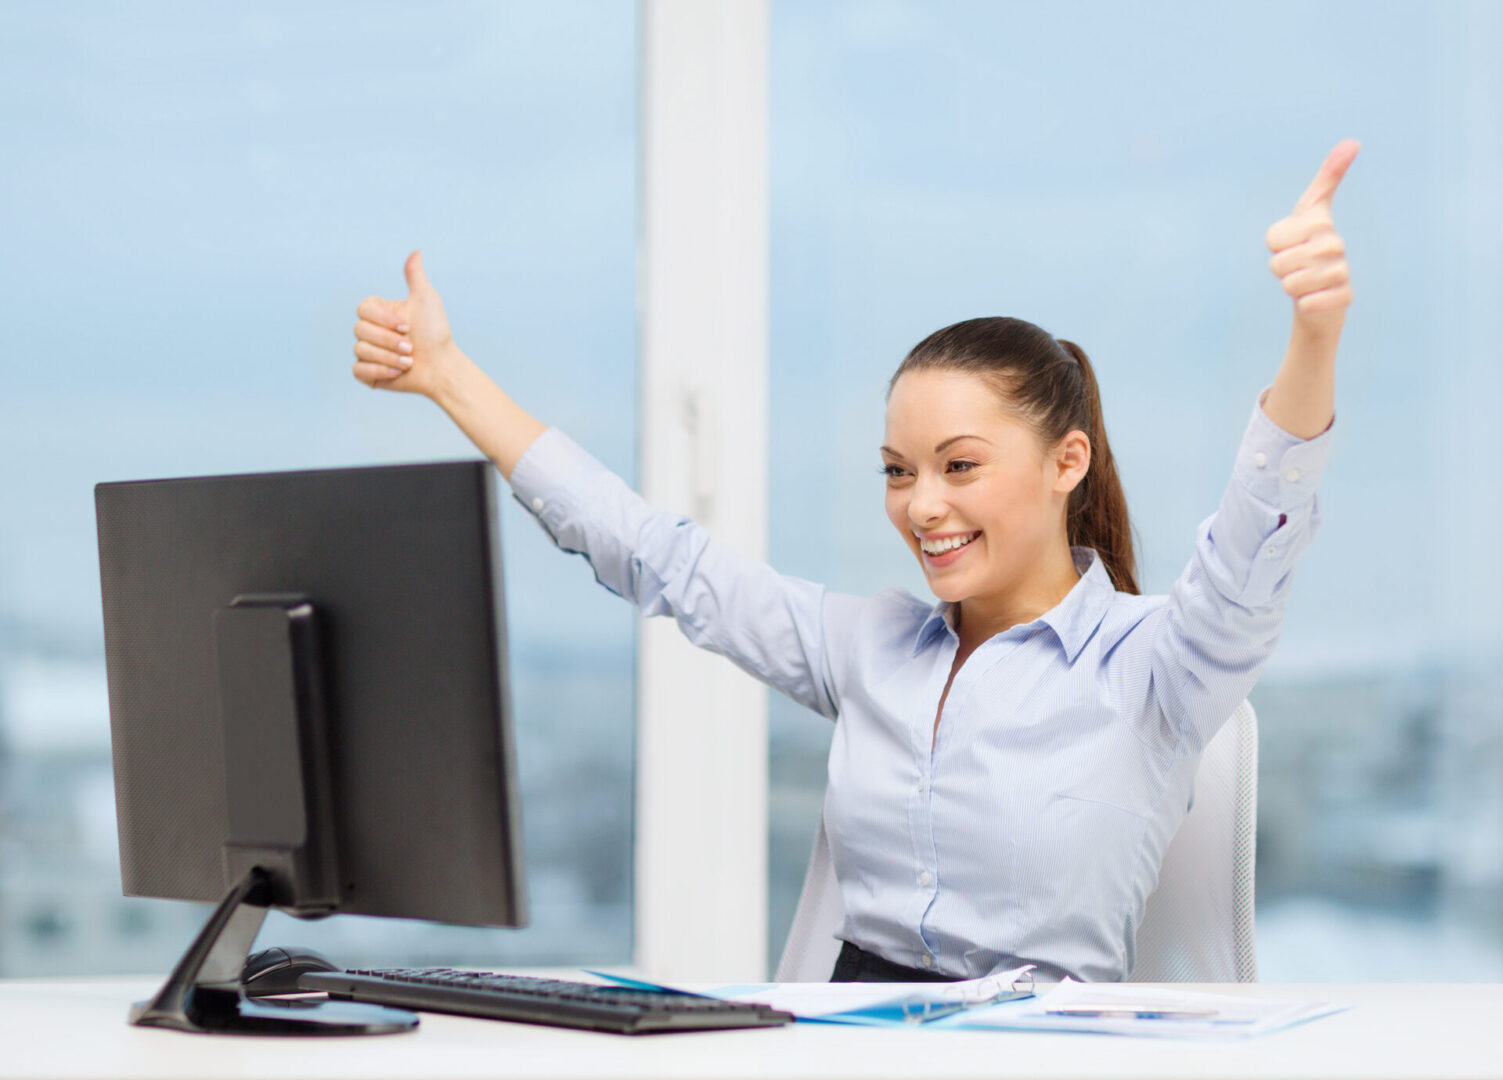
404 344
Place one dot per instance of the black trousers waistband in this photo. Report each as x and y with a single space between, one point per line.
857 965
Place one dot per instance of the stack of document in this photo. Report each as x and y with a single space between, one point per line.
872 1004
1007 1002
881 1004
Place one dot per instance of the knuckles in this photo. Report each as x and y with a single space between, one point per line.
1325 302
1308 279
1308 228
373 309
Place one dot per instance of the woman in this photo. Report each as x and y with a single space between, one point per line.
1026 821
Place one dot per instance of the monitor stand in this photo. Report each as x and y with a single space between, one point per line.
281 847
203 993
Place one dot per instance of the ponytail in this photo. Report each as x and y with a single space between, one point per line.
1097 515
1049 382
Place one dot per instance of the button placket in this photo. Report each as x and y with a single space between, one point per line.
920 821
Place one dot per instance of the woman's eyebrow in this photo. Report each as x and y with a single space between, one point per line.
957 438
940 448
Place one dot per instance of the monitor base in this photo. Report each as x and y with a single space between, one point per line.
203 993
221 1012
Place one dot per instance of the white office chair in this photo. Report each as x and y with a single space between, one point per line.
1198 924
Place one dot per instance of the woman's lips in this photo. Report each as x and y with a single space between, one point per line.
950 556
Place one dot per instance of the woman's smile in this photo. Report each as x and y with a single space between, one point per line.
946 549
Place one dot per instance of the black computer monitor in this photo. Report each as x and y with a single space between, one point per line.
309 710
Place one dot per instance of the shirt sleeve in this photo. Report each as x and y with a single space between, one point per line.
1226 610
790 633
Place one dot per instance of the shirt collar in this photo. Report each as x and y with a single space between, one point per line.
1073 620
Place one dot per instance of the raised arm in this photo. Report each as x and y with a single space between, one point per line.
407 345
1211 641
790 633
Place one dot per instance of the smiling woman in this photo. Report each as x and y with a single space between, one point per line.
1019 463
1069 713
993 513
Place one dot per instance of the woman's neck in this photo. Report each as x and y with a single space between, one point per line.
983 617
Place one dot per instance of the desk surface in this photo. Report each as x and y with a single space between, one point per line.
76 1029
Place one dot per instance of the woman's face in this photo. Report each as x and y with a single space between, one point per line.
969 487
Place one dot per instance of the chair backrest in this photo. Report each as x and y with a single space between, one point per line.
1198 924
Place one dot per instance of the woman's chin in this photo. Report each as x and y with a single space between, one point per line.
947 589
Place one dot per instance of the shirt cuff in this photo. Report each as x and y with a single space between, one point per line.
549 476
1276 467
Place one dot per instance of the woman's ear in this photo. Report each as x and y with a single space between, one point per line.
1072 460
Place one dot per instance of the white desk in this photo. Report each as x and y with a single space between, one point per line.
76 1029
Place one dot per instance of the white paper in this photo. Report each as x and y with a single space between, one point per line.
1236 1017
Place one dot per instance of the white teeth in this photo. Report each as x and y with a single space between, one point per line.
939 547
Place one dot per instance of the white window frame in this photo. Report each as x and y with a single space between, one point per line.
701 791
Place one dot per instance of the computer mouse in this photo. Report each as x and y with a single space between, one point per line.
276 971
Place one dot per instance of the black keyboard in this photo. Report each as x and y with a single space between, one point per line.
541 1001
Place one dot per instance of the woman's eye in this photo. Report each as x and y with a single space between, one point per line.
892 472
962 466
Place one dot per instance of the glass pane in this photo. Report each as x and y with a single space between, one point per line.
196 198
1108 173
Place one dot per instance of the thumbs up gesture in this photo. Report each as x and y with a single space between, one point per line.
403 344
1309 257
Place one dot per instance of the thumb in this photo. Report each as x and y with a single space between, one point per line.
417 280
1323 187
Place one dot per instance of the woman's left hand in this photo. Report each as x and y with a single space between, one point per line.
1309 257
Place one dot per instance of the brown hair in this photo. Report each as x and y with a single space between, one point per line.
1049 384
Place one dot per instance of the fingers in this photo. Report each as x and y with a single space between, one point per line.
1309 279
374 354
1298 228
1323 187
381 337
1325 300
1315 273
375 375
1324 245
392 314
382 349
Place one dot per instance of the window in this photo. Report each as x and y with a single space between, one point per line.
197 200
1108 173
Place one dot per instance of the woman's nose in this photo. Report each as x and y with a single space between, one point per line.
928 506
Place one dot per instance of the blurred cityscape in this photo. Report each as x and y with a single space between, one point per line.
61 908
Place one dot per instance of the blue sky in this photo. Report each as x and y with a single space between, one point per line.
197 200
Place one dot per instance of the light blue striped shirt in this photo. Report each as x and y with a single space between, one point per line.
1033 828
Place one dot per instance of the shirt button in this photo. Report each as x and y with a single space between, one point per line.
927 961
924 878
1260 459
1272 552
1292 475
537 505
